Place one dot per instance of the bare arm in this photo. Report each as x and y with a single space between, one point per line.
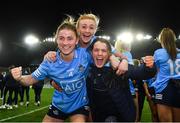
23 79
147 91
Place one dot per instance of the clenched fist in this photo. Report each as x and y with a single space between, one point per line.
17 73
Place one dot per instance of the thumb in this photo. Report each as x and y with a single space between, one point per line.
20 68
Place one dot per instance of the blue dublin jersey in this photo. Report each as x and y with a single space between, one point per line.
129 57
130 61
167 69
150 81
70 76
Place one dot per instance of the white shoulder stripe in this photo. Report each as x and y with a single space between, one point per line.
37 73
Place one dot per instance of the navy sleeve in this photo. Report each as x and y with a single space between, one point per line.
141 72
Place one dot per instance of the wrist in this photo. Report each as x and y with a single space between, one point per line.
124 59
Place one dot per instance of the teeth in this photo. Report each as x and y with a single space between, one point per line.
66 47
86 35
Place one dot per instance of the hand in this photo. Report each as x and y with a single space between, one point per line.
17 73
50 56
149 61
123 67
56 86
149 97
114 62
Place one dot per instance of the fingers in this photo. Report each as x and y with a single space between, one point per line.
56 86
120 72
114 62
149 61
122 68
50 56
16 73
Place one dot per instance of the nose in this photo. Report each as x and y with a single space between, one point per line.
65 41
99 52
87 30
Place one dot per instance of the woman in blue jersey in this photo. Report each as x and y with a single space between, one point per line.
167 60
87 26
69 71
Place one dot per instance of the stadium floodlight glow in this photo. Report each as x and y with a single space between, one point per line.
49 39
126 37
105 37
148 37
31 39
139 36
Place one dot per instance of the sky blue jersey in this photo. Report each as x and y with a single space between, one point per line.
130 61
167 69
131 86
150 81
129 57
70 76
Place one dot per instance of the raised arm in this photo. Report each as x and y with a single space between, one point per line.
24 79
145 71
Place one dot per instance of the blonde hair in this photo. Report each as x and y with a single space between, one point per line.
122 46
68 23
167 38
88 16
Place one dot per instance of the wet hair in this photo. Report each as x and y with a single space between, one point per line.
88 16
102 40
167 38
11 67
67 24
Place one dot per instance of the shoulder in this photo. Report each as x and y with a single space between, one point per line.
160 51
81 52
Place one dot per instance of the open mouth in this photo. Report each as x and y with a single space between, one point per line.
99 61
87 37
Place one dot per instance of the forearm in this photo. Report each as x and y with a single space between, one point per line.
141 73
120 55
27 80
146 88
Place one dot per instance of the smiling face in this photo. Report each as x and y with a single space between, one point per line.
100 53
67 41
86 29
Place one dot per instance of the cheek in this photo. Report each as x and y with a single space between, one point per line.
106 57
93 55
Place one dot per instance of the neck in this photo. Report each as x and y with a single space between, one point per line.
67 57
82 44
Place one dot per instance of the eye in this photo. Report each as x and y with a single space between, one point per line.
84 27
60 38
92 28
70 38
104 50
95 50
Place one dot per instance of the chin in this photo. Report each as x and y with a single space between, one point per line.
86 40
99 66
